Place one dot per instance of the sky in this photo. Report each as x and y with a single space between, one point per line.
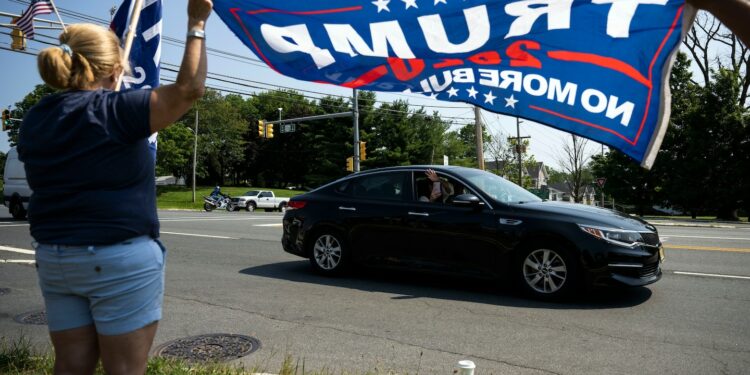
19 73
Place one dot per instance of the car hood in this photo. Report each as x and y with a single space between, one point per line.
584 214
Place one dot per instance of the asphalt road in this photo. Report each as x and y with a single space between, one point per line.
227 273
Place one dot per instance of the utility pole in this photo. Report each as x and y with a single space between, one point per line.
195 150
519 150
480 141
355 118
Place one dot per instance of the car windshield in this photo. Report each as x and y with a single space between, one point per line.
499 188
251 193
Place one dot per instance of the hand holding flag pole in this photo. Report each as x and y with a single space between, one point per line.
132 27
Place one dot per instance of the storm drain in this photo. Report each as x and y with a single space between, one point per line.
34 317
209 348
4 291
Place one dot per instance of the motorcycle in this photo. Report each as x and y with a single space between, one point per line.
213 202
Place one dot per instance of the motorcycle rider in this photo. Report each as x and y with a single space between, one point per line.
217 192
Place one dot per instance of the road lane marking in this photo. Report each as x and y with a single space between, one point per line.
706 248
710 238
218 219
712 275
268 225
16 250
3 225
199 235
17 261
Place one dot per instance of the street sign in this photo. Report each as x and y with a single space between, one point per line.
288 128
601 181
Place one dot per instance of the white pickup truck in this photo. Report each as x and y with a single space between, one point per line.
255 199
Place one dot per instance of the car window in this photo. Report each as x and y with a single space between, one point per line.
266 194
499 188
449 188
251 193
386 186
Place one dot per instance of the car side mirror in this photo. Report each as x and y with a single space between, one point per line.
467 200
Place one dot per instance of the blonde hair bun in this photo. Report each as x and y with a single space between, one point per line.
93 53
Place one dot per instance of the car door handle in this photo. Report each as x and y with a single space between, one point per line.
347 208
418 213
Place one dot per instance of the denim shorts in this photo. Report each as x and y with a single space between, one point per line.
119 288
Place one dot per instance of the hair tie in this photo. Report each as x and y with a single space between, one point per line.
66 49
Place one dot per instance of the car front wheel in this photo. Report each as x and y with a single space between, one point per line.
250 207
328 254
547 272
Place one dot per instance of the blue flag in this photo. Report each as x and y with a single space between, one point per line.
145 54
596 68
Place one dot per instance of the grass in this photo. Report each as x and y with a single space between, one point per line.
20 358
178 197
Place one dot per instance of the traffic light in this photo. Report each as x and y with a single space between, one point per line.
350 164
269 131
18 39
362 150
6 120
261 129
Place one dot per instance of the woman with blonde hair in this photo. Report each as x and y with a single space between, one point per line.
93 211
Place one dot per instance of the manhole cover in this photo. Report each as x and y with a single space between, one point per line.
4 291
34 317
209 348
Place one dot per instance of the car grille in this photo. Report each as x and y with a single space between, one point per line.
648 270
650 239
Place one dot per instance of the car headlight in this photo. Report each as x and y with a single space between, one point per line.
620 237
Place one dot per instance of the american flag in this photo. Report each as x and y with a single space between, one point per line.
26 22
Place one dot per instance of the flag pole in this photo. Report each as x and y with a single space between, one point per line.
132 27
58 16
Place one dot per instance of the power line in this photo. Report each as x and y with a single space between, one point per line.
228 55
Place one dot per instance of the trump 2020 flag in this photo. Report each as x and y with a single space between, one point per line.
145 54
596 68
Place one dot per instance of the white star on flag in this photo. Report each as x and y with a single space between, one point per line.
382 5
410 3
433 96
440 1
452 92
511 102
489 98
472 93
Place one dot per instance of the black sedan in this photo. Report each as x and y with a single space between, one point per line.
471 222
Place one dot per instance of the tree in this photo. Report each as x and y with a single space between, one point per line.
573 160
174 155
555 176
30 100
501 152
220 141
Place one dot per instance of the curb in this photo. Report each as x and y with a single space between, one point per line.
694 225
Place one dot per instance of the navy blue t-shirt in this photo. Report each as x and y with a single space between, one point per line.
88 163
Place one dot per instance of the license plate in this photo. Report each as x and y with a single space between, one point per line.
661 253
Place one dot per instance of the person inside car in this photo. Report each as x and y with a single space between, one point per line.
434 189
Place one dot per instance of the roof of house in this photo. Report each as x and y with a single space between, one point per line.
539 166
563 187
